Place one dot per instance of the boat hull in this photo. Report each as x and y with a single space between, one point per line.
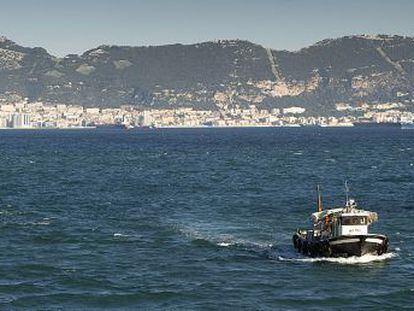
359 245
343 246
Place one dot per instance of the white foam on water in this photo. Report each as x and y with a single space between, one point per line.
244 243
222 240
191 233
118 235
42 223
354 260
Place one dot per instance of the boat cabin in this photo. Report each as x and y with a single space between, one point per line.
342 222
351 224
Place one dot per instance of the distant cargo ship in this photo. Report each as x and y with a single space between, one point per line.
378 124
407 126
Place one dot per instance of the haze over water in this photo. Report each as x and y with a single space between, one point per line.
198 218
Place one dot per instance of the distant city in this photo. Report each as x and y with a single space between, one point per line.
39 115
224 83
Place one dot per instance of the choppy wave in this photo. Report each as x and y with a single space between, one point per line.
341 260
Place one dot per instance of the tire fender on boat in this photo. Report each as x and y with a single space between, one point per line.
326 249
314 249
305 249
295 241
299 245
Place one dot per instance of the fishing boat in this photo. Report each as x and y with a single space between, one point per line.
340 232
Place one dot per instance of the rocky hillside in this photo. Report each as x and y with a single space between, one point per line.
212 75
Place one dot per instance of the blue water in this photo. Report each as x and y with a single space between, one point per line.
197 219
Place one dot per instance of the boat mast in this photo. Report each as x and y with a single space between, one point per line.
319 202
346 194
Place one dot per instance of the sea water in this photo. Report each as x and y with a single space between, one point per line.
197 219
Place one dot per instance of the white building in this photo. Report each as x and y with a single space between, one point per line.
20 120
3 122
294 110
93 110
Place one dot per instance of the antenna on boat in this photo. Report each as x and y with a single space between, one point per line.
347 203
318 189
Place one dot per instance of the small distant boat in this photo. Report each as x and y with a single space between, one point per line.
407 126
340 232
109 126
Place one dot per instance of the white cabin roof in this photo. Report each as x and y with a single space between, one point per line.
357 213
344 211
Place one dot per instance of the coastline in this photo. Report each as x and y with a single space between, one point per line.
199 127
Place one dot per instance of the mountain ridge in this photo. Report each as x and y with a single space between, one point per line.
215 74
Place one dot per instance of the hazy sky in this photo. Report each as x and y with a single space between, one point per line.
73 26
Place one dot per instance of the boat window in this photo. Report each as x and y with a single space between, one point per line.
354 220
